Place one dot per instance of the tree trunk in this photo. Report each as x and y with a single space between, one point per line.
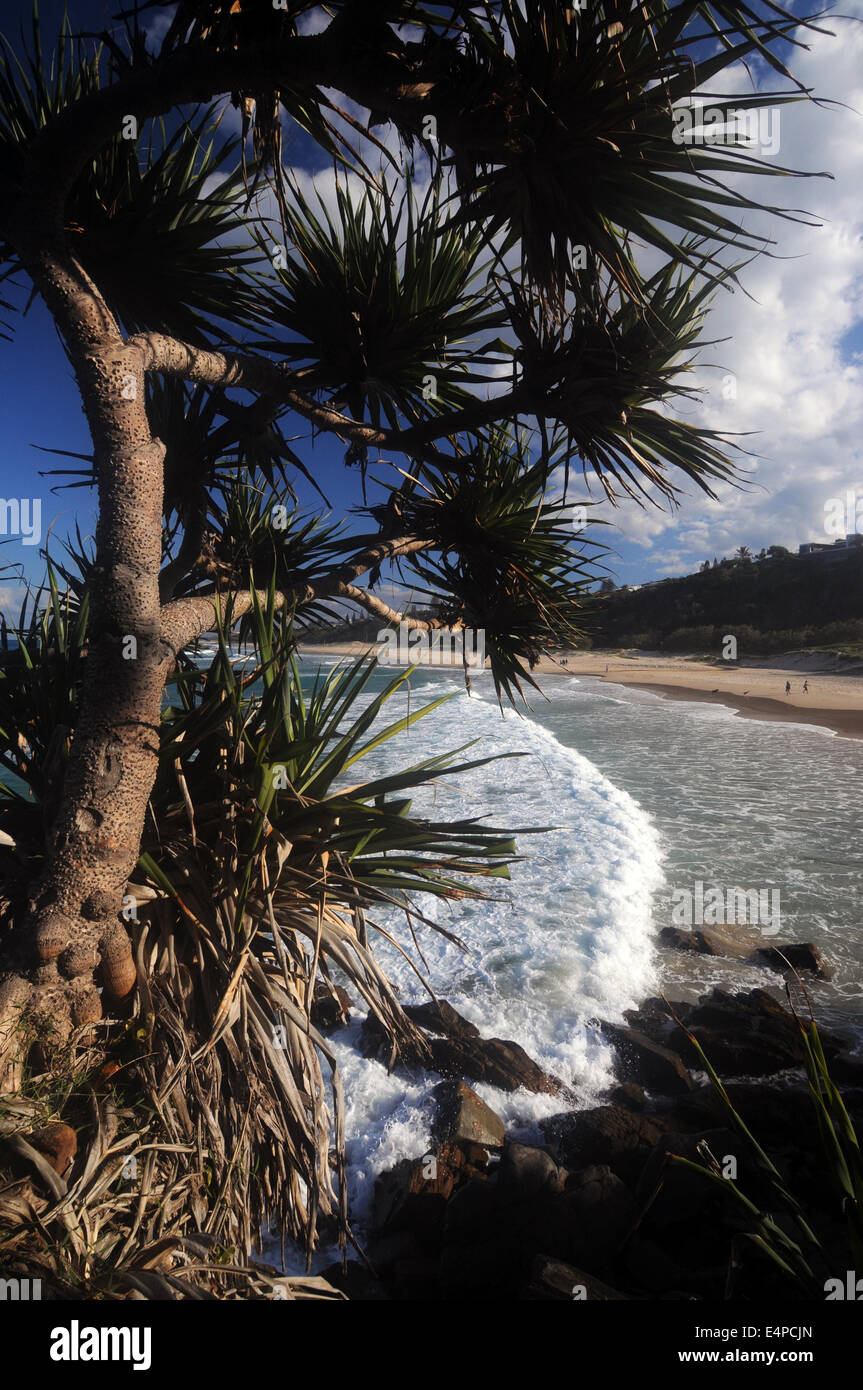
72 937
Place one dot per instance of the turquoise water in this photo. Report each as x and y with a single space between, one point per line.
736 802
647 796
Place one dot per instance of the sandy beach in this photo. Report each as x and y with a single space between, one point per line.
754 692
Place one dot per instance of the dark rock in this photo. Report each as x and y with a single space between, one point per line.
597 1212
476 1155
746 1034
331 1007
797 956
683 1194
526 1172
462 1118
656 1018
493 1269
494 1061
778 1116
680 940
439 1016
847 1068
608 1134
474 1209
356 1281
712 943
649 1063
417 1280
552 1280
740 1055
490 1237
385 1251
629 1095
494 1228
650 1270
413 1195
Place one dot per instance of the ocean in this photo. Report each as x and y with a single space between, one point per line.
648 797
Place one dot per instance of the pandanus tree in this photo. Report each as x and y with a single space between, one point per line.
505 286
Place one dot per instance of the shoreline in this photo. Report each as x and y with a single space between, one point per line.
833 702
848 723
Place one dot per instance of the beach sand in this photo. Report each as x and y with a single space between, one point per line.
755 692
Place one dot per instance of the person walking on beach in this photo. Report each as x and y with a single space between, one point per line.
805 687
787 687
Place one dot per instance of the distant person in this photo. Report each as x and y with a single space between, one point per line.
787 687
805 687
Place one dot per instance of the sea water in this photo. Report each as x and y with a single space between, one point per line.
644 796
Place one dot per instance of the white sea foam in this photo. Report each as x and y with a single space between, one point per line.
570 940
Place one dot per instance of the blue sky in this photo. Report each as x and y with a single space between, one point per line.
795 353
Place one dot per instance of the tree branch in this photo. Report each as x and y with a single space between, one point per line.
199 72
188 618
190 547
375 605
252 372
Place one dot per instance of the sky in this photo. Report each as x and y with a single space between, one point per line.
789 377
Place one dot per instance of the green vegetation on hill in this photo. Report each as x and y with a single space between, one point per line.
770 605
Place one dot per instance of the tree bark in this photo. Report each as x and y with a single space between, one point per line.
73 936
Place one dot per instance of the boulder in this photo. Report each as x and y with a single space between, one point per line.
746 1034
491 1269
683 1195
494 1061
552 1280
439 1016
460 1052
796 956
417 1280
847 1068
413 1195
702 943
649 1063
384 1251
628 1095
606 1135
650 1270
356 1282
331 1006
526 1172
472 1215
462 1118
596 1213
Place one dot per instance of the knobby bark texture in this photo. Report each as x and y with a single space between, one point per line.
73 937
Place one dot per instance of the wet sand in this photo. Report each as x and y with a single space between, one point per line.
833 701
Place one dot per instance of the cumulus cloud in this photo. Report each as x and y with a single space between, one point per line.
787 377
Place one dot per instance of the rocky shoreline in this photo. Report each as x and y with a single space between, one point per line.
598 1211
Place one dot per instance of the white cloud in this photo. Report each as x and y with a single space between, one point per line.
795 385
11 598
